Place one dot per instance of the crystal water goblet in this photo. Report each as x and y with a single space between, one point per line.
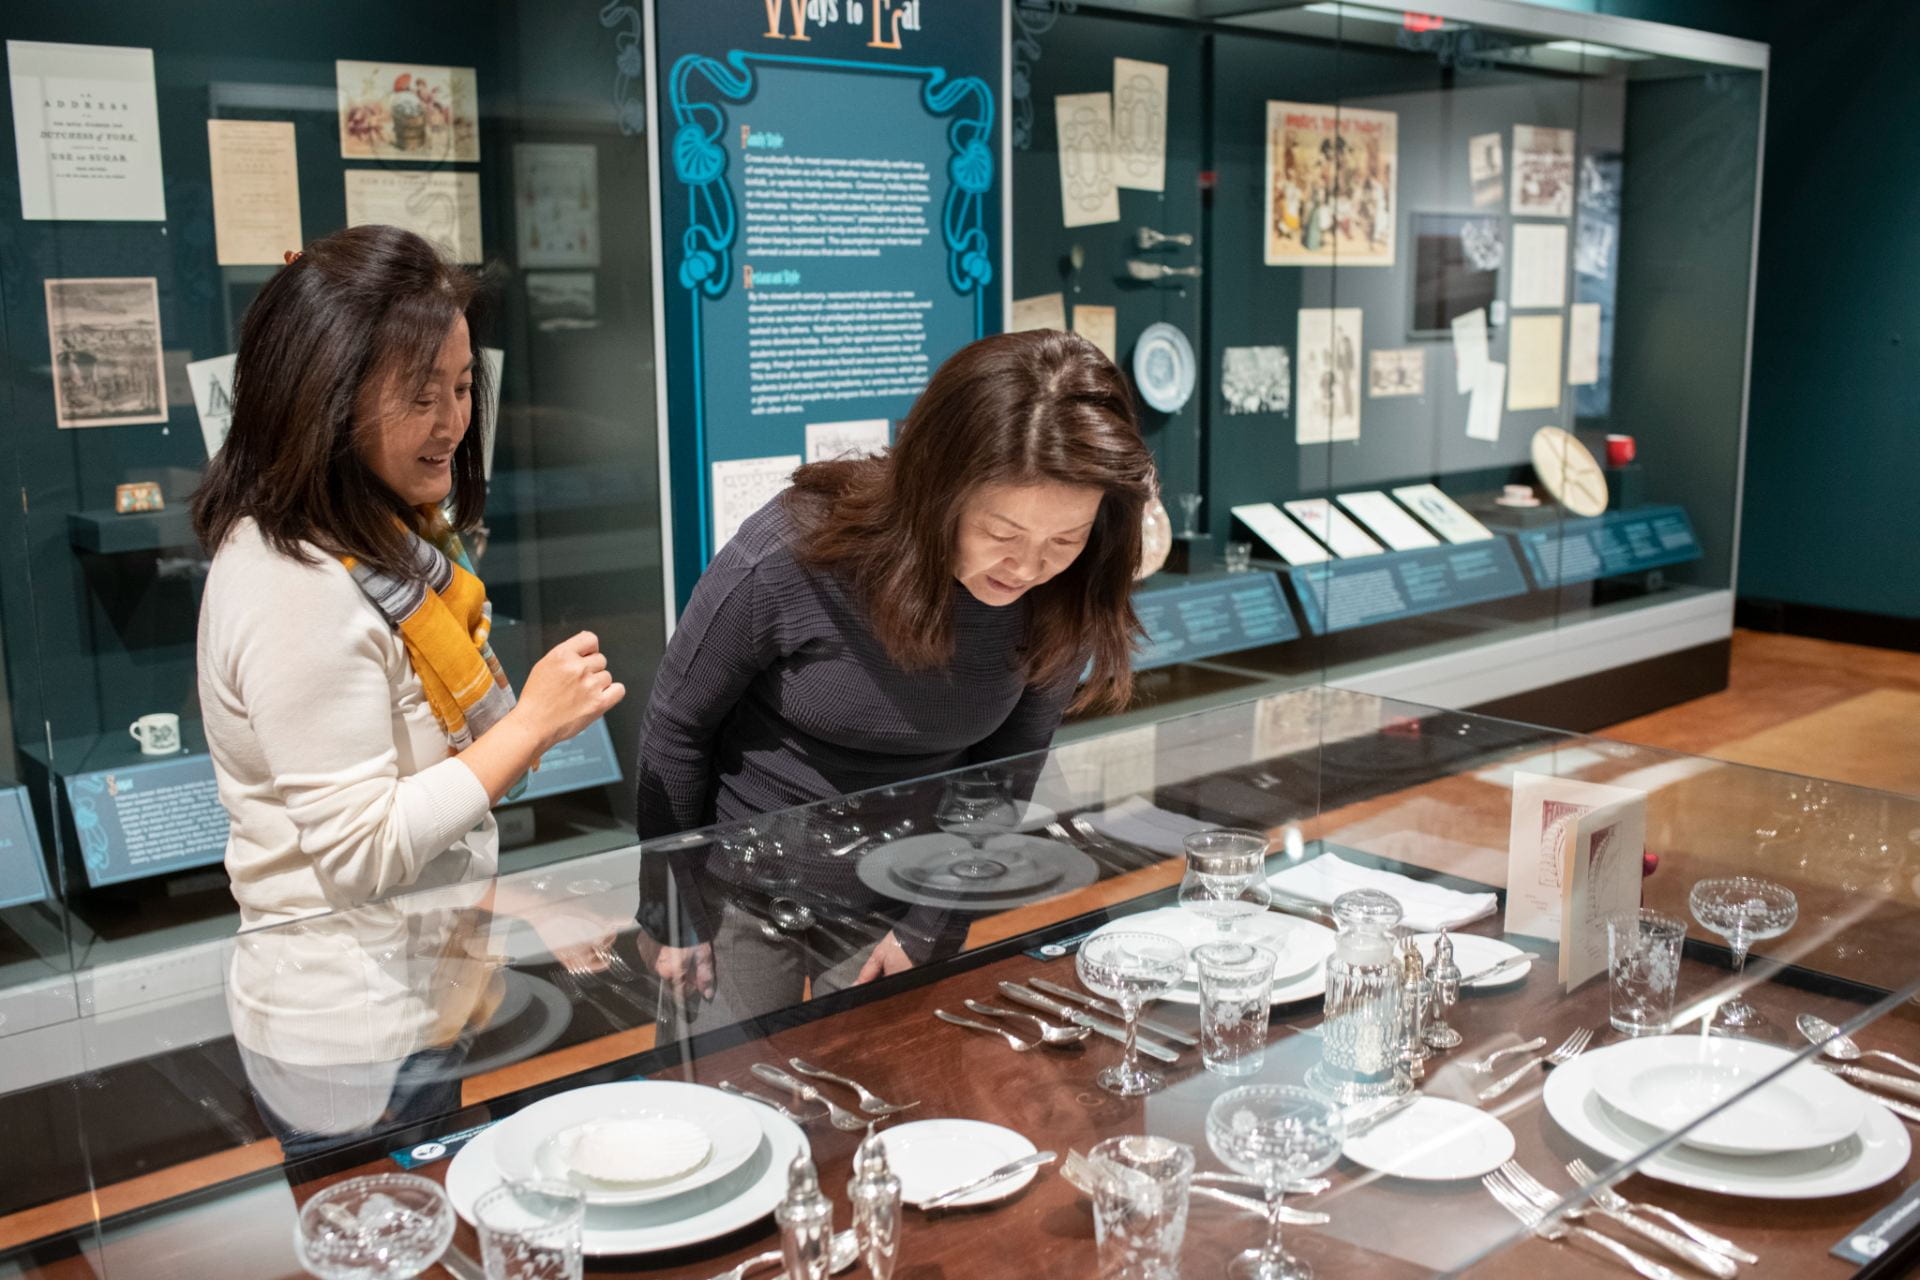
1226 876
1130 968
1743 910
1278 1134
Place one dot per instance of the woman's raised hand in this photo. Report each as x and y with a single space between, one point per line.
569 689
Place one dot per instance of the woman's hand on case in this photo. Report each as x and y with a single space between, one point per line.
886 959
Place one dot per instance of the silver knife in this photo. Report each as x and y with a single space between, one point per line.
1098 1005
1878 1079
1368 1120
1005 1171
1034 1000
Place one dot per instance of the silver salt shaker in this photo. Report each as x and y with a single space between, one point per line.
1446 993
806 1223
1416 994
875 1193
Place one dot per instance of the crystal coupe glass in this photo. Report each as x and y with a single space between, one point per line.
1278 1134
1130 968
1743 910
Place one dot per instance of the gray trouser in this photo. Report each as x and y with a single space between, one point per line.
755 975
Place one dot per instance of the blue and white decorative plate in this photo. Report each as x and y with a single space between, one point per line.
1164 368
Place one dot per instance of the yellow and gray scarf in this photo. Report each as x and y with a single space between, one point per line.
444 619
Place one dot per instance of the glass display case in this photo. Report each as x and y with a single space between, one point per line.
1441 313
180 1140
119 325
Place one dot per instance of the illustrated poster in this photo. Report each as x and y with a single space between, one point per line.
86 132
105 337
404 111
1331 190
556 204
1329 392
440 206
1542 172
1088 192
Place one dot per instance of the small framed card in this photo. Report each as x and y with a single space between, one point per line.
143 495
1574 857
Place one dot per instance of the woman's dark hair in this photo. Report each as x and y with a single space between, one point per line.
1020 408
356 309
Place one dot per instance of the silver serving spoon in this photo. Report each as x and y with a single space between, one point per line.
790 916
1841 1048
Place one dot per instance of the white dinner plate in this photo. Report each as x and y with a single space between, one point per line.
932 1156
1302 945
1434 1140
1668 1082
1878 1150
532 1141
1163 367
1473 952
744 1196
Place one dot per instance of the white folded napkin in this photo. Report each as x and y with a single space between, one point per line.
1426 907
1136 822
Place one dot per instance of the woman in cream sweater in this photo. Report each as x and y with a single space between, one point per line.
359 725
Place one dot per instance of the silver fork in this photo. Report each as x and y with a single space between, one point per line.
870 1102
1139 857
1709 1261
1049 1033
1534 1219
727 1086
1483 1065
1570 1048
837 1116
1607 1197
1014 1042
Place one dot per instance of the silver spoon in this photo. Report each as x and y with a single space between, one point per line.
1841 1048
1048 1032
790 916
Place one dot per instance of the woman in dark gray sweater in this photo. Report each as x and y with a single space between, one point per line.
894 617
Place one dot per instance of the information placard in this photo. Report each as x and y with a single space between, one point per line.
145 819
1343 594
23 872
1606 546
816 268
1213 616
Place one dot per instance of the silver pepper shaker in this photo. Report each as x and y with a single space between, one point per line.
875 1193
806 1223
1416 994
1446 993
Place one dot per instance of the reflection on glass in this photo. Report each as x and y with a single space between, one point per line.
976 809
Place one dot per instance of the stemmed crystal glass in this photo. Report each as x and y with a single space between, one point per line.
1278 1134
1130 968
1226 876
1743 910
1189 513
975 809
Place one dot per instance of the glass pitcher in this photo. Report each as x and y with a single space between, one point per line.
1360 1040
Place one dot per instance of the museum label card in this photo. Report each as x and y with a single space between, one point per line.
1327 401
108 369
1399 372
1542 172
437 205
86 133
1485 170
1574 853
1042 311
1389 523
212 383
1084 122
1256 379
1332 185
1539 265
256 191
741 486
1483 406
1098 325
1583 344
829 440
405 111
1469 349
1330 524
1140 124
1442 514
556 204
1286 539
1533 362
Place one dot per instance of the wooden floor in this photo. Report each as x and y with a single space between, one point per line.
1836 711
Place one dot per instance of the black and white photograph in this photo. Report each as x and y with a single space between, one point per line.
1256 379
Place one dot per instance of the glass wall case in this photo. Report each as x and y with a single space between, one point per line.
1441 315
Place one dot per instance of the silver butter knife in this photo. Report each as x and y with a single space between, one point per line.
1008 1170
1368 1119
1111 1010
1080 1018
1899 1085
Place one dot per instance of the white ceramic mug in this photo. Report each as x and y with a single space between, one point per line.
157 733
